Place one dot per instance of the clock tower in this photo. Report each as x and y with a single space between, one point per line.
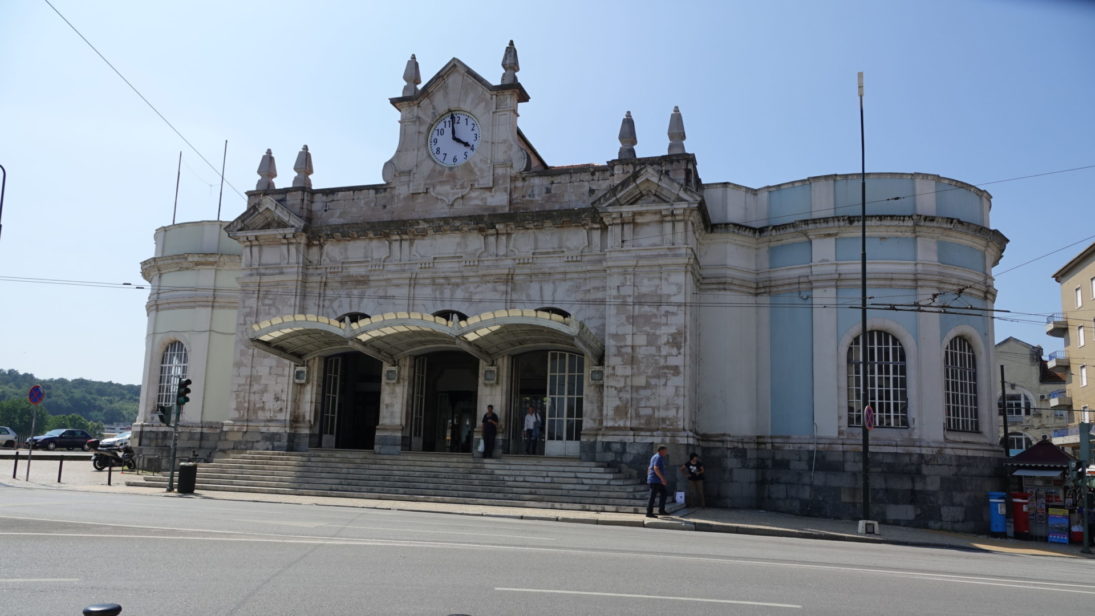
459 144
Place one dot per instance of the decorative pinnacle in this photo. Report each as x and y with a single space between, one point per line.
303 167
268 170
627 137
510 64
676 132
412 77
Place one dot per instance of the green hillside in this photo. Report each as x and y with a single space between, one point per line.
69 403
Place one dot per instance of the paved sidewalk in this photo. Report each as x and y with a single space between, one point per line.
77 474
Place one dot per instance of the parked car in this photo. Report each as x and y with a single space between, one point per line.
7 437
115 442
61 437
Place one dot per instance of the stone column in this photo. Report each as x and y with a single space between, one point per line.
394 390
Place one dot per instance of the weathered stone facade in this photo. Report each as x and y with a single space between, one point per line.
632 302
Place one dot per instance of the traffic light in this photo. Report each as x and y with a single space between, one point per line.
163 413
182 392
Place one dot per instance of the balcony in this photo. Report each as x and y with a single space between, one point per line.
1058 362
1060 398
1056 325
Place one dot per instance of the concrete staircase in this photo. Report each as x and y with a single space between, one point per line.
516 481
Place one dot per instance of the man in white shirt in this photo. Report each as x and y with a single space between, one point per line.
532 430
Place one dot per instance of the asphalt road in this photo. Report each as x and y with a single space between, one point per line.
167 554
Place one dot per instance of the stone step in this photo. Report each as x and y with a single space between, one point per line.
632 505
423 482
529 481
510 474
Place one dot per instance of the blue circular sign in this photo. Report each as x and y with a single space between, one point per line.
36 395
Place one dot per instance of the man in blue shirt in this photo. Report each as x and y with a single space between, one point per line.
655 477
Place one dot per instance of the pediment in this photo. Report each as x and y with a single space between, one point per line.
646 186
267 215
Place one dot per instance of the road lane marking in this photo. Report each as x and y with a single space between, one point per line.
242 536
659 597
36 580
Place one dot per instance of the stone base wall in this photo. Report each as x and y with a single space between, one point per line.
917 487
204 442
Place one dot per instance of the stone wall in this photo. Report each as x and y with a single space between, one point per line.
945 491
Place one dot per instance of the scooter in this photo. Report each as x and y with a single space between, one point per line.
102 458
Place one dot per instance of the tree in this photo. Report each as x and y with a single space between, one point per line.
19 415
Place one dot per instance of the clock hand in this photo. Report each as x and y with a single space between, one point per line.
452 122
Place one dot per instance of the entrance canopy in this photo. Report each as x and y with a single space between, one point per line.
393 335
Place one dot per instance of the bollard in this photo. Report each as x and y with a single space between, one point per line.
60 465
103 609
15 469
109 474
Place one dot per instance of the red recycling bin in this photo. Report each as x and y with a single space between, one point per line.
1020 514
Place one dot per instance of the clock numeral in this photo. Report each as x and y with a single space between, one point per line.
434 142
437 151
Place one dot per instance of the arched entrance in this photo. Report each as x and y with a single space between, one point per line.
553 383
444 390
350 401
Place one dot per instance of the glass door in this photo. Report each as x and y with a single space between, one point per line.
332 386
418 402
565 394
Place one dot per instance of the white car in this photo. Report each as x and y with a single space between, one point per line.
7 437
115 442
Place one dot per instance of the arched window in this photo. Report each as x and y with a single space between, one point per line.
1018 405
173 366
554 310
448 315
960 385
1018 442
887 382
354 317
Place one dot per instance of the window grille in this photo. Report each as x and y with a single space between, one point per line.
1018 405
173 366
887 382
960 371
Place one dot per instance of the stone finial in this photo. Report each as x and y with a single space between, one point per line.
510 64
627 138
303 167
268 170
676 132
412 77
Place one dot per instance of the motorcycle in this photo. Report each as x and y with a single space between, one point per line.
118 456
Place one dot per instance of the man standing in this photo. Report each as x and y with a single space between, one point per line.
490 431
532 430
655 477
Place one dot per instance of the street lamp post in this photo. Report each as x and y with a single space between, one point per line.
864 364
3 186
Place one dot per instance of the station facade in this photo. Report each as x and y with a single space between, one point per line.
630 303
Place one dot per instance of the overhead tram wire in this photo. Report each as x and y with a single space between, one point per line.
836 305
142 97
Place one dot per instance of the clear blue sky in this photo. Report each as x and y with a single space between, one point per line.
987 92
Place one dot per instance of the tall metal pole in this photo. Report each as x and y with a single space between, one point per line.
3 187
220 197
1004 444
864 364
178 175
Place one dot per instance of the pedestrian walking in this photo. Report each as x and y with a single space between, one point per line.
655 478
694 468
532 430
490 431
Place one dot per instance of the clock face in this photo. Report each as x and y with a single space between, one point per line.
453 138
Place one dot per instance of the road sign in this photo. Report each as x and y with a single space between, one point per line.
36 395
868 417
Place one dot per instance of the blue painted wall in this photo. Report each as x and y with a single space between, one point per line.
947 322
789 204
894 196
878 248
789 254
848 318
960 255
954 202
792 361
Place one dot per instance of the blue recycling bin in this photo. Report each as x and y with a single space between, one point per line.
997 514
